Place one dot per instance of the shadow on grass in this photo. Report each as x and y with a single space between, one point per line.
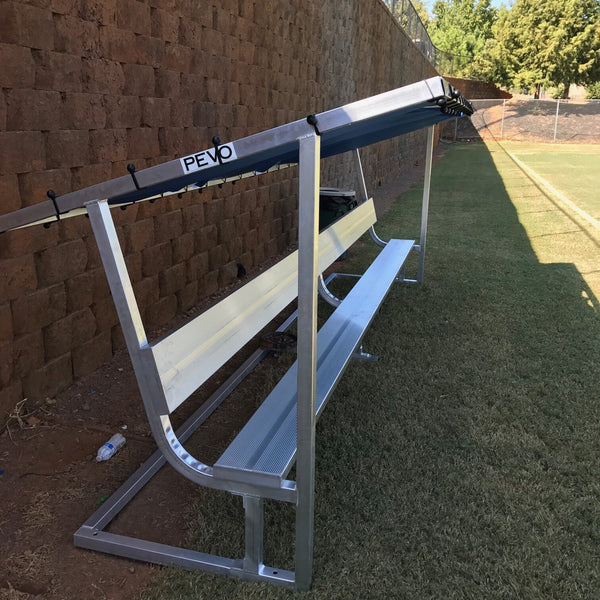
465 463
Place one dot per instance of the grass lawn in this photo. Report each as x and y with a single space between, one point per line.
557 231
465 464
570 168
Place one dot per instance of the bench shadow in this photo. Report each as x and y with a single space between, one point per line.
464 464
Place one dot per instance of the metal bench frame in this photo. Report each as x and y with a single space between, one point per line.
315 252
169 370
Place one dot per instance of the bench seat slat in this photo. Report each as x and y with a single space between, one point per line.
265 449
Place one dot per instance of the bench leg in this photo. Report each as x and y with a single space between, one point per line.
254 509
360 354
425 205
308 250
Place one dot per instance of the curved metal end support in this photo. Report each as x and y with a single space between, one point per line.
326 294
198 472
185 463
376 238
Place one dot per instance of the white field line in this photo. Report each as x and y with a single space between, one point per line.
558 194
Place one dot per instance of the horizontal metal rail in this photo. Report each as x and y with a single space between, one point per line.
341 129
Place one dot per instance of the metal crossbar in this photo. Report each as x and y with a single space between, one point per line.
341 129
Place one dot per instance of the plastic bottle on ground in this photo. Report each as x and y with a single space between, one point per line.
107 450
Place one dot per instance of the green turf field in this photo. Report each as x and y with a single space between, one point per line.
465 464
572 169
555 190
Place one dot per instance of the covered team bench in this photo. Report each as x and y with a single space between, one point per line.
282 431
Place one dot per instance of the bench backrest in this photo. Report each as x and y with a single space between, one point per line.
188 357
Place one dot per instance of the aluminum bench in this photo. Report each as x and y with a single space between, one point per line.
170 370
282 431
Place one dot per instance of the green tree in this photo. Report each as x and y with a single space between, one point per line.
462 27
400 8
593 91
546 43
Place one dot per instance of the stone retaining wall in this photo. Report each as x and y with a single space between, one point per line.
87 86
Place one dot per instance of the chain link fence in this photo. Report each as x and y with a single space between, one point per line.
561 121
444 62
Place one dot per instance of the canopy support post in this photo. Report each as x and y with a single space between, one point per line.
425 206
308 273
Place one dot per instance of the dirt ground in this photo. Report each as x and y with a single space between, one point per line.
50 482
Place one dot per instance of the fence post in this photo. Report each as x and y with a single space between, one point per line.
556 119
502 122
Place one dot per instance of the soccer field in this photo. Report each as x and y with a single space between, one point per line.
556 192
573 170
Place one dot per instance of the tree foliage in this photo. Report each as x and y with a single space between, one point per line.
546 43
421 10
462 27
401 9
535 43
593 91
